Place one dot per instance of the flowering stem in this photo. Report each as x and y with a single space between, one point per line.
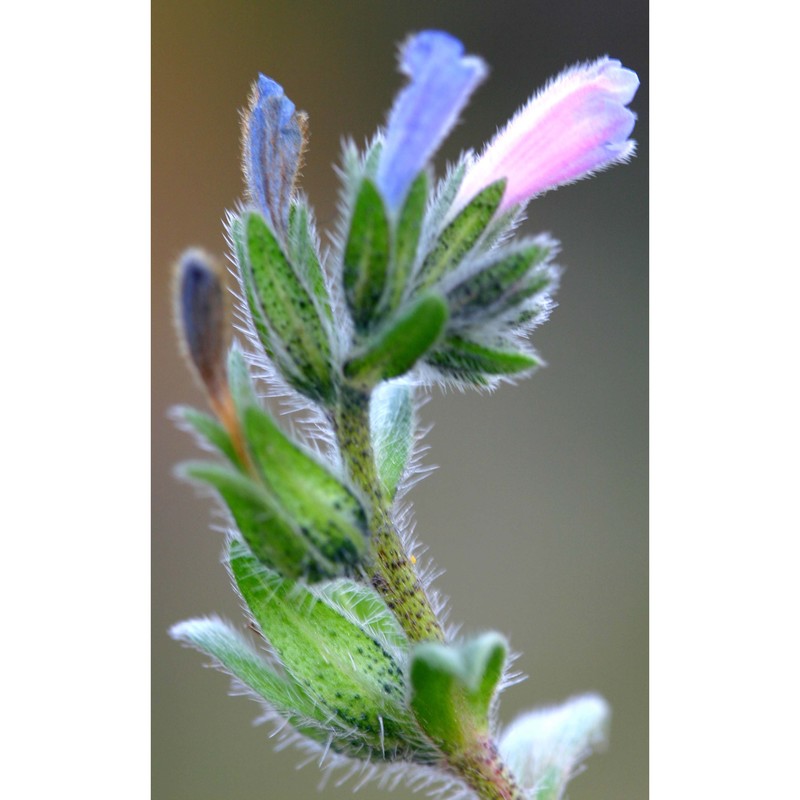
391 571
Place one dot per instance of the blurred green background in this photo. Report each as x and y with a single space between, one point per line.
539 509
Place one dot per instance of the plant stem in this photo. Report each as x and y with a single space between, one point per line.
393 575
482 768
391 571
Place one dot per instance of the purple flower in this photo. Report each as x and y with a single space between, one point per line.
274 138
442 79
578 124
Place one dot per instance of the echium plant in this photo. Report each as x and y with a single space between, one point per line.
423 284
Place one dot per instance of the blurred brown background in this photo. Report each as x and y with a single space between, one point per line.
539 509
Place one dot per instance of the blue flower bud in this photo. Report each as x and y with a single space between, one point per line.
202 320
442 79
274 140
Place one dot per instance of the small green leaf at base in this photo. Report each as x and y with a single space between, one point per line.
350 665
453 687
233 652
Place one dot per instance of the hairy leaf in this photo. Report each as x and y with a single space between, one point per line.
453 686
274 537
392 426
349 672
324 509
288 310
474 363
461 235
397 347
366 256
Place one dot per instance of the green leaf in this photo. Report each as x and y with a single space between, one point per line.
545 748
366 256
452 687
435 695
407 236
236 655
500 277
327 512
502 226
474 363
211 431
461 235
446 192
397 347
365 608
289 312
483 659
391 414
239 240
530 303
274 537
351 675
303 253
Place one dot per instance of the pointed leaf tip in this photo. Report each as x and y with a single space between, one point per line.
478 364
320 505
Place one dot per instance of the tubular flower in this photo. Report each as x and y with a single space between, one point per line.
577 125
441 81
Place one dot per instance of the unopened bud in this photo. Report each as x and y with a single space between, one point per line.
201 318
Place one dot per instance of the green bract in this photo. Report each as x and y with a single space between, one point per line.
475 363
407 238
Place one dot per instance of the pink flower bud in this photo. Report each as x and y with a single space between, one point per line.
577 125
